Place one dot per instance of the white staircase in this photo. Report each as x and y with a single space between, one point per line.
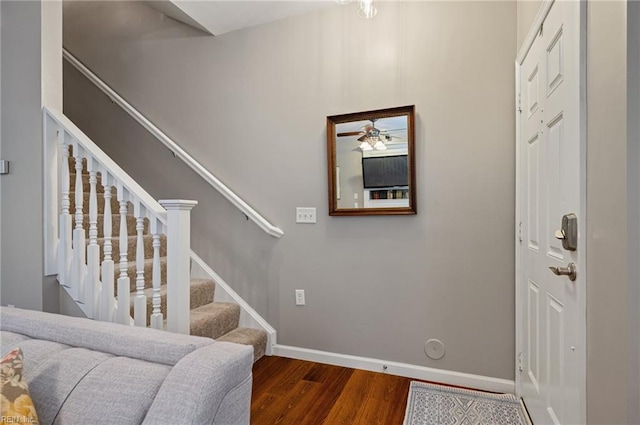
125 257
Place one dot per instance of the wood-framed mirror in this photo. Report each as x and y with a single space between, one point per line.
371 162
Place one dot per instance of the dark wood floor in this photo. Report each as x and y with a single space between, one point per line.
297 392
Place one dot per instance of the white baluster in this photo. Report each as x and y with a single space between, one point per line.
93 250
106 294
79 243
178 263
64 248
156 316
140 300
124 287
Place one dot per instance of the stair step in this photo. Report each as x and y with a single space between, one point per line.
115 225
115 205
132 247
248 336
209 319
148 273
201 293
214 319
72 162
86 187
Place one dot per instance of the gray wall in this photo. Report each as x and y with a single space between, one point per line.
22 266
0 149
527 12
607 339
29 80
633 185
251 106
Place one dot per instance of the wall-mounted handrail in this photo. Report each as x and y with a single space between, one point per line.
177 150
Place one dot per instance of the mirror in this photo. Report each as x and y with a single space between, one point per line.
371 162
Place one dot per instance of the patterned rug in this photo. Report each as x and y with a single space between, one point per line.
439 405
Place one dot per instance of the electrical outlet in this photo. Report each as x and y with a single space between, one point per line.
305 215
300 297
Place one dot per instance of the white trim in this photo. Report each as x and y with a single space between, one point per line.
582 246
518 311
448 377
177 150
248 316
533 31
50 195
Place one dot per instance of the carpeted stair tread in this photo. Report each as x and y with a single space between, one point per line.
201 293
214 319
115 205
132 247
248 336
86 187
209 319
72 163
148 273
115 225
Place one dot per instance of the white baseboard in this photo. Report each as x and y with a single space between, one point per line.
448 377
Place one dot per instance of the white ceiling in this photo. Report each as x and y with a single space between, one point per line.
218 17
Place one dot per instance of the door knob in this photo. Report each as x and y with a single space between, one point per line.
570 271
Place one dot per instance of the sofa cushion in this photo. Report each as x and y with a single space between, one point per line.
10 340
119 391
57 376
15 400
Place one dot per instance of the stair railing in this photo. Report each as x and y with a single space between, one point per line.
225 191
89 279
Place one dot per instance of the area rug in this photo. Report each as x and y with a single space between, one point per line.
439 405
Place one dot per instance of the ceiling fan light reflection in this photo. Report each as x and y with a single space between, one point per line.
367 10
380 146
365 146
343 1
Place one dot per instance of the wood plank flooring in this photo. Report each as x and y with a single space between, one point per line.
296 392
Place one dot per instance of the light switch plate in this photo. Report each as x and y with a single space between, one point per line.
305 215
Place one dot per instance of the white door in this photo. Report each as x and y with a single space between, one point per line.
551 319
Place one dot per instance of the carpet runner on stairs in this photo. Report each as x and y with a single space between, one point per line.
210 319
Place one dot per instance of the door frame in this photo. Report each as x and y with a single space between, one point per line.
582 247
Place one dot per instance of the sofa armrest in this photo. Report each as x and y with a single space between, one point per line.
210 383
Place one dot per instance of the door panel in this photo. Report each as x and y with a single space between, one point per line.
554 189
553 327
533 192
534 336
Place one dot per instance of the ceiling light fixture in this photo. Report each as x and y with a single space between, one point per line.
372 142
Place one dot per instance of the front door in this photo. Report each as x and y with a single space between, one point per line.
551 154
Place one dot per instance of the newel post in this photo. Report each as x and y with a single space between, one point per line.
178 263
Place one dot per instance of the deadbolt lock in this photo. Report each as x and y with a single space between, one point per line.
568 233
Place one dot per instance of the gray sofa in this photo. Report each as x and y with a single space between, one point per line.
81 371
